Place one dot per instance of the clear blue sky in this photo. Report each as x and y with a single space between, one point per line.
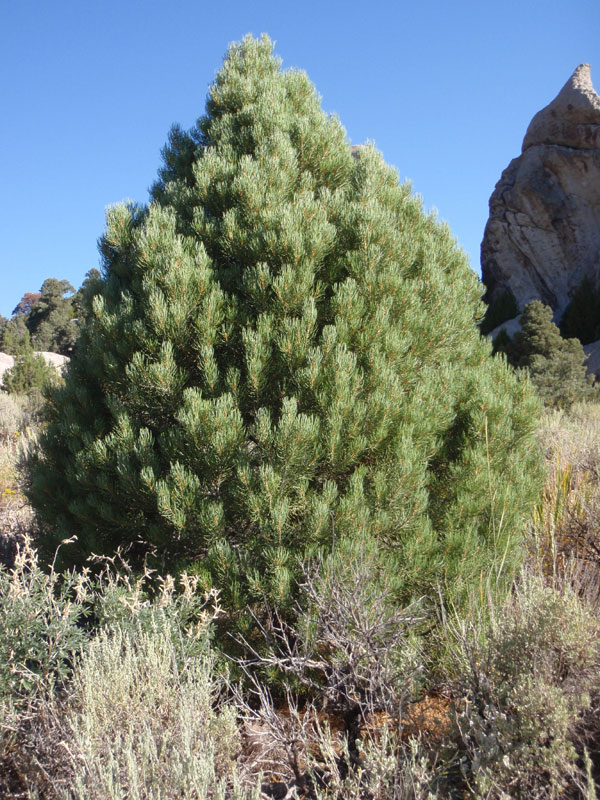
90 89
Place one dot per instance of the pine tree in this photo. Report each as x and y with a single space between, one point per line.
51 319
284 358
556 365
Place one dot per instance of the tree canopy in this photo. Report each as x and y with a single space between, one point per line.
53 317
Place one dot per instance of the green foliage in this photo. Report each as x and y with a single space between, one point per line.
500 310
527 684
562 380
30 374
40 632
284 351
51 317
83 297
556 365
15 336
539 336
51 320
581 319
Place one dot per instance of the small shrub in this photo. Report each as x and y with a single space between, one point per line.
30 375
13 416
18 437
355 654
128 705
353 646
40 631
391 769
526 683
303 756
124 602
138 725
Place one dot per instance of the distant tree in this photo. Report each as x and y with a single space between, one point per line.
53 316
581 319
51 321
82 299
26 303
15 336
539 336
556 365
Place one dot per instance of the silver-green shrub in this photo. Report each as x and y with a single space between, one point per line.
40 631
526 684
13 415
109 689
141 726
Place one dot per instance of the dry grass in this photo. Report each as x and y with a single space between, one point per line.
566 522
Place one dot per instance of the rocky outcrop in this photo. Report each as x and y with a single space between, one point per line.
543 234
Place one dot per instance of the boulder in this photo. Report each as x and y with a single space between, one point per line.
6 362
56 359
543 233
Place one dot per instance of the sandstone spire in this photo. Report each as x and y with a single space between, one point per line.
542 238
572 119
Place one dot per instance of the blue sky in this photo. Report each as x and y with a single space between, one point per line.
89 91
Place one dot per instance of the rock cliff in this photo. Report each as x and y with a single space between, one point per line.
543 234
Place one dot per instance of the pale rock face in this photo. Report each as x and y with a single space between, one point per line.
543 234
511 326
572 119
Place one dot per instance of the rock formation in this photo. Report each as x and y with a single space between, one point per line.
543 234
